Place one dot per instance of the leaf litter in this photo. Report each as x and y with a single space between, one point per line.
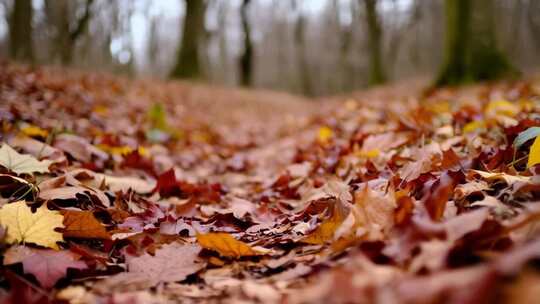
117 191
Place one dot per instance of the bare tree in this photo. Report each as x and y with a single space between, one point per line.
20 31
471 52
376 70
188 63
246 60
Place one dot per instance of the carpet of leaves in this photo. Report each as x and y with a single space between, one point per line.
119 191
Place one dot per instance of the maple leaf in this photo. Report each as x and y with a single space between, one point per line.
225 244
83 224
171 263
24 226
48 266
22 163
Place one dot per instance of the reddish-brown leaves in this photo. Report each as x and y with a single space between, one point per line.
83 224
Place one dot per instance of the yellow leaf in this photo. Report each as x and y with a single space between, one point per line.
122 150
38 228
225 244
501 107
21 163
327 228
368 154
325 133
534 153
34 131
473 126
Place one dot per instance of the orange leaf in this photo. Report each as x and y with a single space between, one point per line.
225 244
83 224
327 228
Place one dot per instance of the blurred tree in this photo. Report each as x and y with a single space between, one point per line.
188 63
471 52
246 61
67 31
376 70
20 31
300 39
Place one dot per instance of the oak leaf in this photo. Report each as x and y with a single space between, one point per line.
24 226
22 163
48 266
83 224
225 245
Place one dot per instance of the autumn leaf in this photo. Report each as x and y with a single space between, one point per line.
225 245
534 153
171 263
48 266
324 134
34 131
325 231
83 224
374 212
38 228
22 163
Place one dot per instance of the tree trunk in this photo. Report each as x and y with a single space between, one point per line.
188 61
471 52
246 61
300 37
59 16
20 31
376 70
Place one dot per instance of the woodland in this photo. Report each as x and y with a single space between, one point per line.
257 151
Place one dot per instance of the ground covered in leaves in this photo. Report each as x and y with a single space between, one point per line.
117 191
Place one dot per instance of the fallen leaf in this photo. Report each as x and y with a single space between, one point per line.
326 230
83 224
24 226
374 212
171 263
48 266
534 153
225 244
22 163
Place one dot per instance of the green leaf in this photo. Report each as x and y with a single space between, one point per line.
158 117
525 136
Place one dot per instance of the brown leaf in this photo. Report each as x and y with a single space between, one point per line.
83 224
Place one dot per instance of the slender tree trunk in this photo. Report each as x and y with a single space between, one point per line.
20 31
188 63
246 61
300 37
376 70
471 52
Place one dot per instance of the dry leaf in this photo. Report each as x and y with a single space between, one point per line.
22 163
225 245
83 224
38 228
326 230
48 266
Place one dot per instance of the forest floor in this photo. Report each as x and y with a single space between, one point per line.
142 191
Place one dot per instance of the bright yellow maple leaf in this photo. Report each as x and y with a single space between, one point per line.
225 244
534 153
38 228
